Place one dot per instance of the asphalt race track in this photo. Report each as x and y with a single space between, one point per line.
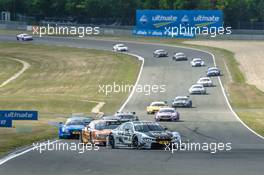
210 120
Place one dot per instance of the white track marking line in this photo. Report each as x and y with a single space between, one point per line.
134 87
14 155
25 67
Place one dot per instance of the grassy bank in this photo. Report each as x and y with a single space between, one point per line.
60 81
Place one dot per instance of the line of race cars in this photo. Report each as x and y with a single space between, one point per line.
123 129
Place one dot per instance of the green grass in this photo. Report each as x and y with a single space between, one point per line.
8 68
60 81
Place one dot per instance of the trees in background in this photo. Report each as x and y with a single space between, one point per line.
124 10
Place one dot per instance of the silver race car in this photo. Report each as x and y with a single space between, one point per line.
197 62
205 81
160 53
197 89
181 101
142 134
179 57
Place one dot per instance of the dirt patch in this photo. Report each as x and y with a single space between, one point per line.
249 55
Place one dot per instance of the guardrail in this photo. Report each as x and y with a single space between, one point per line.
127 31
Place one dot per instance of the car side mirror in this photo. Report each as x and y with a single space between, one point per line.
126 130
165 128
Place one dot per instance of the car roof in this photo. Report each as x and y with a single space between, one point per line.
167 108
205 78
210 68
143 122
125 113
181 97
102 121
197 59
159 50
110 117
179 53
197 85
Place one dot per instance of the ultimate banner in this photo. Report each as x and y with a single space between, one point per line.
177 23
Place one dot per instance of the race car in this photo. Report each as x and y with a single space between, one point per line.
197 89
205 81
160 53
142 134
213 71
126 116
197 62
179 57
73 127
98 131
167 114
181 101
155 106
120 48
24 37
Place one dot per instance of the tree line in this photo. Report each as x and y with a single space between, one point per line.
124 10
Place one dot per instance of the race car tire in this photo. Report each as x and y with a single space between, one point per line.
112 142
135 143
81 138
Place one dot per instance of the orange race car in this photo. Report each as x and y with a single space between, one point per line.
97 131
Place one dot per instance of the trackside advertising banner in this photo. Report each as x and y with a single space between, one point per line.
177 23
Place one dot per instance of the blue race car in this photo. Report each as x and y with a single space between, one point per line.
73 127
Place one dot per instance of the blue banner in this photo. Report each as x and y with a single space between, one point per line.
7 123
176 23
18 115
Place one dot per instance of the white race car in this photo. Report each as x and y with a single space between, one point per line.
197 89
142 134
160 53
24 37
205 81
179 57
197 62
120 48
213 71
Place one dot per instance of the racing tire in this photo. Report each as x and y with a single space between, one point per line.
80 138
135 143
112 142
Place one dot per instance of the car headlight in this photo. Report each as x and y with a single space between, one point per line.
65 130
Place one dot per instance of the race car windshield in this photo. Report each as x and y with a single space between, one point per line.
166 110
106 125
159 104
126 116
75 122
181 99
148 127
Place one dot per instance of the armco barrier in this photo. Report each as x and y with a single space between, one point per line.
127 31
